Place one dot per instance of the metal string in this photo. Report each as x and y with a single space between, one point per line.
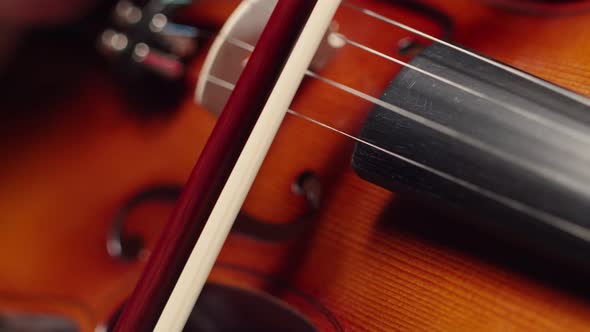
570 132
581 136
552 220
548 218
554 88
545 172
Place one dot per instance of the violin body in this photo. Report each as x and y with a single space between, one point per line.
368 260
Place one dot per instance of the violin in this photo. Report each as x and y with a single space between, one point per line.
427 171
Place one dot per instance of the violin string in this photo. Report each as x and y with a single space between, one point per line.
572 133
545 172
550 219
564 92
575 134
540 170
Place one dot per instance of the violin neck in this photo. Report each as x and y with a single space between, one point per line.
514 151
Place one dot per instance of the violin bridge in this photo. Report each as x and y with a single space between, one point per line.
235 42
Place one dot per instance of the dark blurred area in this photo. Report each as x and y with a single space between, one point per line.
44 52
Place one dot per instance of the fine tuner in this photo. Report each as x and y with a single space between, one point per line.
150 51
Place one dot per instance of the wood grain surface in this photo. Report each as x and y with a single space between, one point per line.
73 153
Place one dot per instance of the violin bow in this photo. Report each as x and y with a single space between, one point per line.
182 259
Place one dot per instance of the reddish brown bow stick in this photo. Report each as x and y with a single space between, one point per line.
214 166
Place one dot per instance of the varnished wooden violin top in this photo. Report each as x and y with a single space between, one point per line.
75 150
